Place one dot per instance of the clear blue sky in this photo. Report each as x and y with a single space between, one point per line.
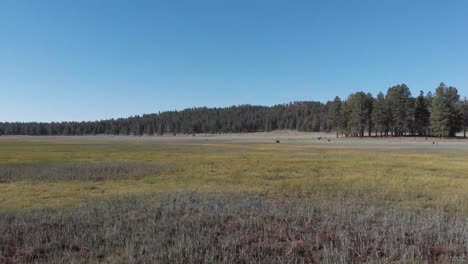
93 59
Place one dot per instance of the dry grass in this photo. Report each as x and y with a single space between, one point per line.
75 171
406 177
94 201
228 228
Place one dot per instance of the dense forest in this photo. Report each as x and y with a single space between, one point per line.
396 113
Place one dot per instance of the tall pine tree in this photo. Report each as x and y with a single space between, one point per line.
445 111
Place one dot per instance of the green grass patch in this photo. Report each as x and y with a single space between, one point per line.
405 177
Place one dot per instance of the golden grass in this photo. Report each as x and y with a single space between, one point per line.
406 177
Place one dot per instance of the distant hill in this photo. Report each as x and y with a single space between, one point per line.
304 116
396 113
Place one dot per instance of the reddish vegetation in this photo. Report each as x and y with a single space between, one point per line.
196 228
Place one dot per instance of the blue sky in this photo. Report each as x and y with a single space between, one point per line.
88 59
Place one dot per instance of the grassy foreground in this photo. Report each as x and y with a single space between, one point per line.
213 228
213 202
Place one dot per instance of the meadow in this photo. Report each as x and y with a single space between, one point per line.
139 201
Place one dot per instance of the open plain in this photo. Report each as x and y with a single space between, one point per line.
312 198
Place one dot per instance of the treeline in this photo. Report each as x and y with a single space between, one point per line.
396 113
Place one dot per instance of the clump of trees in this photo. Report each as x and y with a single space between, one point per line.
396 113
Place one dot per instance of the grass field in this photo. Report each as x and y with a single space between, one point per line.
359 203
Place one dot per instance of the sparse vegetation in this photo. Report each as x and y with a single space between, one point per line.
138 202
78 171
214 228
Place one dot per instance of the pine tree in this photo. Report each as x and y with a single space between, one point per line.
421 115
465 115
369 108
359 109
398 98
379 114
334 115
445 111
